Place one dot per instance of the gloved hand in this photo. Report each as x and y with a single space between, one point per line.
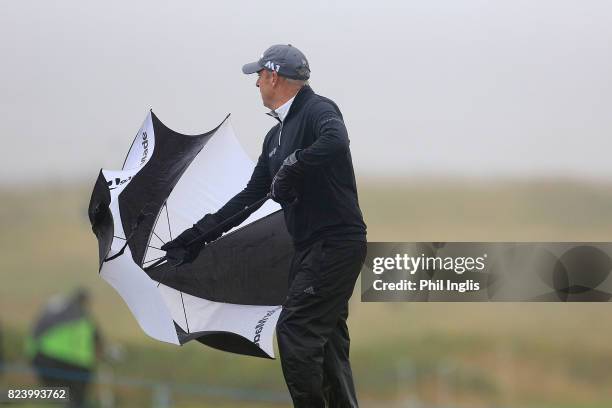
178 251
286 180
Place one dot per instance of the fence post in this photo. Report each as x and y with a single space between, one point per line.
162 396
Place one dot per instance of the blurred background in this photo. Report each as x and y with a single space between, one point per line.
469 120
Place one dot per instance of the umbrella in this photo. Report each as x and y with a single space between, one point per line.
230 297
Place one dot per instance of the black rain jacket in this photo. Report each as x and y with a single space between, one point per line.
328 204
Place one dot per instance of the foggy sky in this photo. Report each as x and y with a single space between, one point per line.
461 88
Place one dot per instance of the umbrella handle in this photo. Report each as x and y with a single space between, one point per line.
161 260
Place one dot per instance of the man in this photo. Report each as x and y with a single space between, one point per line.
306 165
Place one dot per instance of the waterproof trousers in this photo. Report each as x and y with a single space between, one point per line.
313 337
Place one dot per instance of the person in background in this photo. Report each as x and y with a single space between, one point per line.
65 345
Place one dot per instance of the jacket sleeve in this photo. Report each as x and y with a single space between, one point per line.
331 137
257 188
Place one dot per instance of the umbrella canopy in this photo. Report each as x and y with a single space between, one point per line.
230 296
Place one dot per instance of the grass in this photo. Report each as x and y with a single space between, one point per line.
523 355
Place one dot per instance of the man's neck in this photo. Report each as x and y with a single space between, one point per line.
285 97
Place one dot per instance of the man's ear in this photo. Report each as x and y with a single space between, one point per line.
275 78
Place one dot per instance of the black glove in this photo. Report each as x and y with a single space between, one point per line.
284 189
179 251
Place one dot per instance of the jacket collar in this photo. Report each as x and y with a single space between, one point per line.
281 112
301 97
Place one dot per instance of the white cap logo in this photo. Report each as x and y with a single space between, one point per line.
272 66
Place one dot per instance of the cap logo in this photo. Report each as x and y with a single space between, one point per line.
272 66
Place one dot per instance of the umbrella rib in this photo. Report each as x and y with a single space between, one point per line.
154 233
185 313
158 237
168 218
152 260
164 275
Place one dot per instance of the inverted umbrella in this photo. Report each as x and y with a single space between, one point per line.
229 298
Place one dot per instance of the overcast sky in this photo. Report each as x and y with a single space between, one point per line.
462 88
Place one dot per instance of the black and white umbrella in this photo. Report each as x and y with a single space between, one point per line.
229 298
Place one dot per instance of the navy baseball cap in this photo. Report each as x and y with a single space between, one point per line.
287 60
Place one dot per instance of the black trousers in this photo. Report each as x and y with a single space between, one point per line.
55 373
312 334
